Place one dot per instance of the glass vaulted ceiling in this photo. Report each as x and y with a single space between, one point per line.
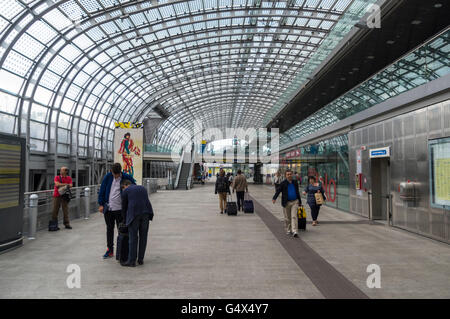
70 68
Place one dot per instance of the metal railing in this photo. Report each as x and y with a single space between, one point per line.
38 207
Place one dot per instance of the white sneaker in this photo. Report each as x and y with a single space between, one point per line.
295 235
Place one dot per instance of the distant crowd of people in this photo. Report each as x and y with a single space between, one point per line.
224 184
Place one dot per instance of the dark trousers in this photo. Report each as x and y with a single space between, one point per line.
314 211
240 200
139 225
112 218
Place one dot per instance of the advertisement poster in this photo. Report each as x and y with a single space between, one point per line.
128 149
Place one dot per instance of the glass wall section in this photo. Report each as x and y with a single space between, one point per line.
159 169
425 64
327 160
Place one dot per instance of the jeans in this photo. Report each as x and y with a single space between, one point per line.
314 211
240 200
139 225
112 218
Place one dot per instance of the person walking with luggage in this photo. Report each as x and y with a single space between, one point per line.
222 188
311 190
277 180
110 203
290 200
240 186
61 198
137 212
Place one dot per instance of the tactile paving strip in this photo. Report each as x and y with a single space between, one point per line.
330 282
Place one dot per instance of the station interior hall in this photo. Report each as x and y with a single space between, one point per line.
347 100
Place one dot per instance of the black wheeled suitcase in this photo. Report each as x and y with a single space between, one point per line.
302 223
231 207
248 206
122 248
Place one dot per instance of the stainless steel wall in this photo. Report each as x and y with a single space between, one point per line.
408 136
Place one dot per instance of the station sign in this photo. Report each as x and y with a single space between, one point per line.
380 152
292 154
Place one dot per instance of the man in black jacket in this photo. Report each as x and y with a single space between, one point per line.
137 211
222 188
290 200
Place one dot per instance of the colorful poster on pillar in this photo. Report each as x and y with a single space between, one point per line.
128 150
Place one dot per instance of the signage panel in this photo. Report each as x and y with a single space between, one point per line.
380 152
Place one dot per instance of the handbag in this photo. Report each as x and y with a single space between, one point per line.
301 212
64 191
319 198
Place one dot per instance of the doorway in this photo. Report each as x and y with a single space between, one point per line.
380 173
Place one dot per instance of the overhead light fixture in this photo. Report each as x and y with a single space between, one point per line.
416 22
438 5
371 57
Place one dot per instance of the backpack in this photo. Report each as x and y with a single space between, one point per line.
222 185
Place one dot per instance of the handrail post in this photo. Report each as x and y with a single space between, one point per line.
87 204
147 185
32 217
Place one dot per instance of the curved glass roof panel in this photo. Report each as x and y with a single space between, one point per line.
70 68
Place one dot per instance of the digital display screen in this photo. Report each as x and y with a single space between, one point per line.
10 161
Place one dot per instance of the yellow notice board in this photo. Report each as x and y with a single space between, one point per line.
442 179
440 168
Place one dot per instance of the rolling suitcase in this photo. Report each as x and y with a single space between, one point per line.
122 246
231 208
301 218
248 206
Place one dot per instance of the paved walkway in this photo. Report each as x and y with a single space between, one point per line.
194 252
412 266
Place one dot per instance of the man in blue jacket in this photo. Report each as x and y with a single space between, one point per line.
136 213
290 200
110 201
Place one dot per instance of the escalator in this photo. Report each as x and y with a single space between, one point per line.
184 176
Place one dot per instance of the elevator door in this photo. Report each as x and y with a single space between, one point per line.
380 188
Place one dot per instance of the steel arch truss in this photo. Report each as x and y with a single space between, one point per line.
70 68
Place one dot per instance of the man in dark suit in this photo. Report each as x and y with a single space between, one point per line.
136 214
290 200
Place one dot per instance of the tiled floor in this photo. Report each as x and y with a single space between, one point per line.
195 252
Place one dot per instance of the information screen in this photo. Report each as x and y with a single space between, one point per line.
12 155
440 172
10 159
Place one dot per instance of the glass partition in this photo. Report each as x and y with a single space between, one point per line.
327 160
